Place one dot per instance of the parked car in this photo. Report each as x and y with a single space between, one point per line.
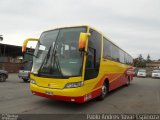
25 71
156 74
3 75
24 74
141 73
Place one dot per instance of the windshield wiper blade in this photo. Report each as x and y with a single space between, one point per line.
48 55
45 60
56 60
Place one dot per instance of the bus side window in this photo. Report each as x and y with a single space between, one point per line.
107 49
90 63
94 55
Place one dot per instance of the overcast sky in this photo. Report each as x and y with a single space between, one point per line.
134 25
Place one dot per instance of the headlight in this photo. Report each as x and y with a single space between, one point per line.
32 81
74 85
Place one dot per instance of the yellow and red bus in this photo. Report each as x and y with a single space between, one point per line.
77 64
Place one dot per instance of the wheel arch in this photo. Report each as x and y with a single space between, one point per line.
106 81
3 74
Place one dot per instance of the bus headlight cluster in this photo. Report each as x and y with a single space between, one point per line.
33 81
74 85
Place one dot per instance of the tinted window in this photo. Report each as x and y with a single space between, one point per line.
95 43
122 56
125 59
115 53
129 58
107 48
94 55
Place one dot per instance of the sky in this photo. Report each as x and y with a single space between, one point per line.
134 25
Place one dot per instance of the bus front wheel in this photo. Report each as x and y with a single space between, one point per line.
104 91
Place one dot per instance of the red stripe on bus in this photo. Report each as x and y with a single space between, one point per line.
111 77
78 99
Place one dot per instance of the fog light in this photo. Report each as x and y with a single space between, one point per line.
72 100
32 81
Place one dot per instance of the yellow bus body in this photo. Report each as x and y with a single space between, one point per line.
115 73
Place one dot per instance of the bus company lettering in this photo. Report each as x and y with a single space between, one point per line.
93 116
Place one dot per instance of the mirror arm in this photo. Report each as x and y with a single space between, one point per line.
85 52
24 47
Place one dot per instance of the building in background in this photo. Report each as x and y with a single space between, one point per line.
153 64
11 58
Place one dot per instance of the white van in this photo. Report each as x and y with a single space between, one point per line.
141 73
156 74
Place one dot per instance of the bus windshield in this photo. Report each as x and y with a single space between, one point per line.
57 53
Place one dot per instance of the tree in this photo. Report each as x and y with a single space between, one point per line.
140 61
148 59
140 58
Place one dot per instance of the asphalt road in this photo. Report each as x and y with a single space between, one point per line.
142 96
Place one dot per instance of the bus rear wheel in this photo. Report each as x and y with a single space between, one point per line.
128 81
104 91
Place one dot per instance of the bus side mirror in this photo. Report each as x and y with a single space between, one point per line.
82 41
24 47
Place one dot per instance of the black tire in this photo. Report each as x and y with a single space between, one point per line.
25 80
128 82
3 77
104 91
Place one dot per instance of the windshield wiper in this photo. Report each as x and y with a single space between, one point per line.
45 60
56 61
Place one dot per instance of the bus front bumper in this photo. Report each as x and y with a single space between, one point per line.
80 99
70 95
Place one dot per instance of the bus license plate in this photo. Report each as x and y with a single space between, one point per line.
48 93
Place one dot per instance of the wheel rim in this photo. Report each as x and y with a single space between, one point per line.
128 82
2 78
104 90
